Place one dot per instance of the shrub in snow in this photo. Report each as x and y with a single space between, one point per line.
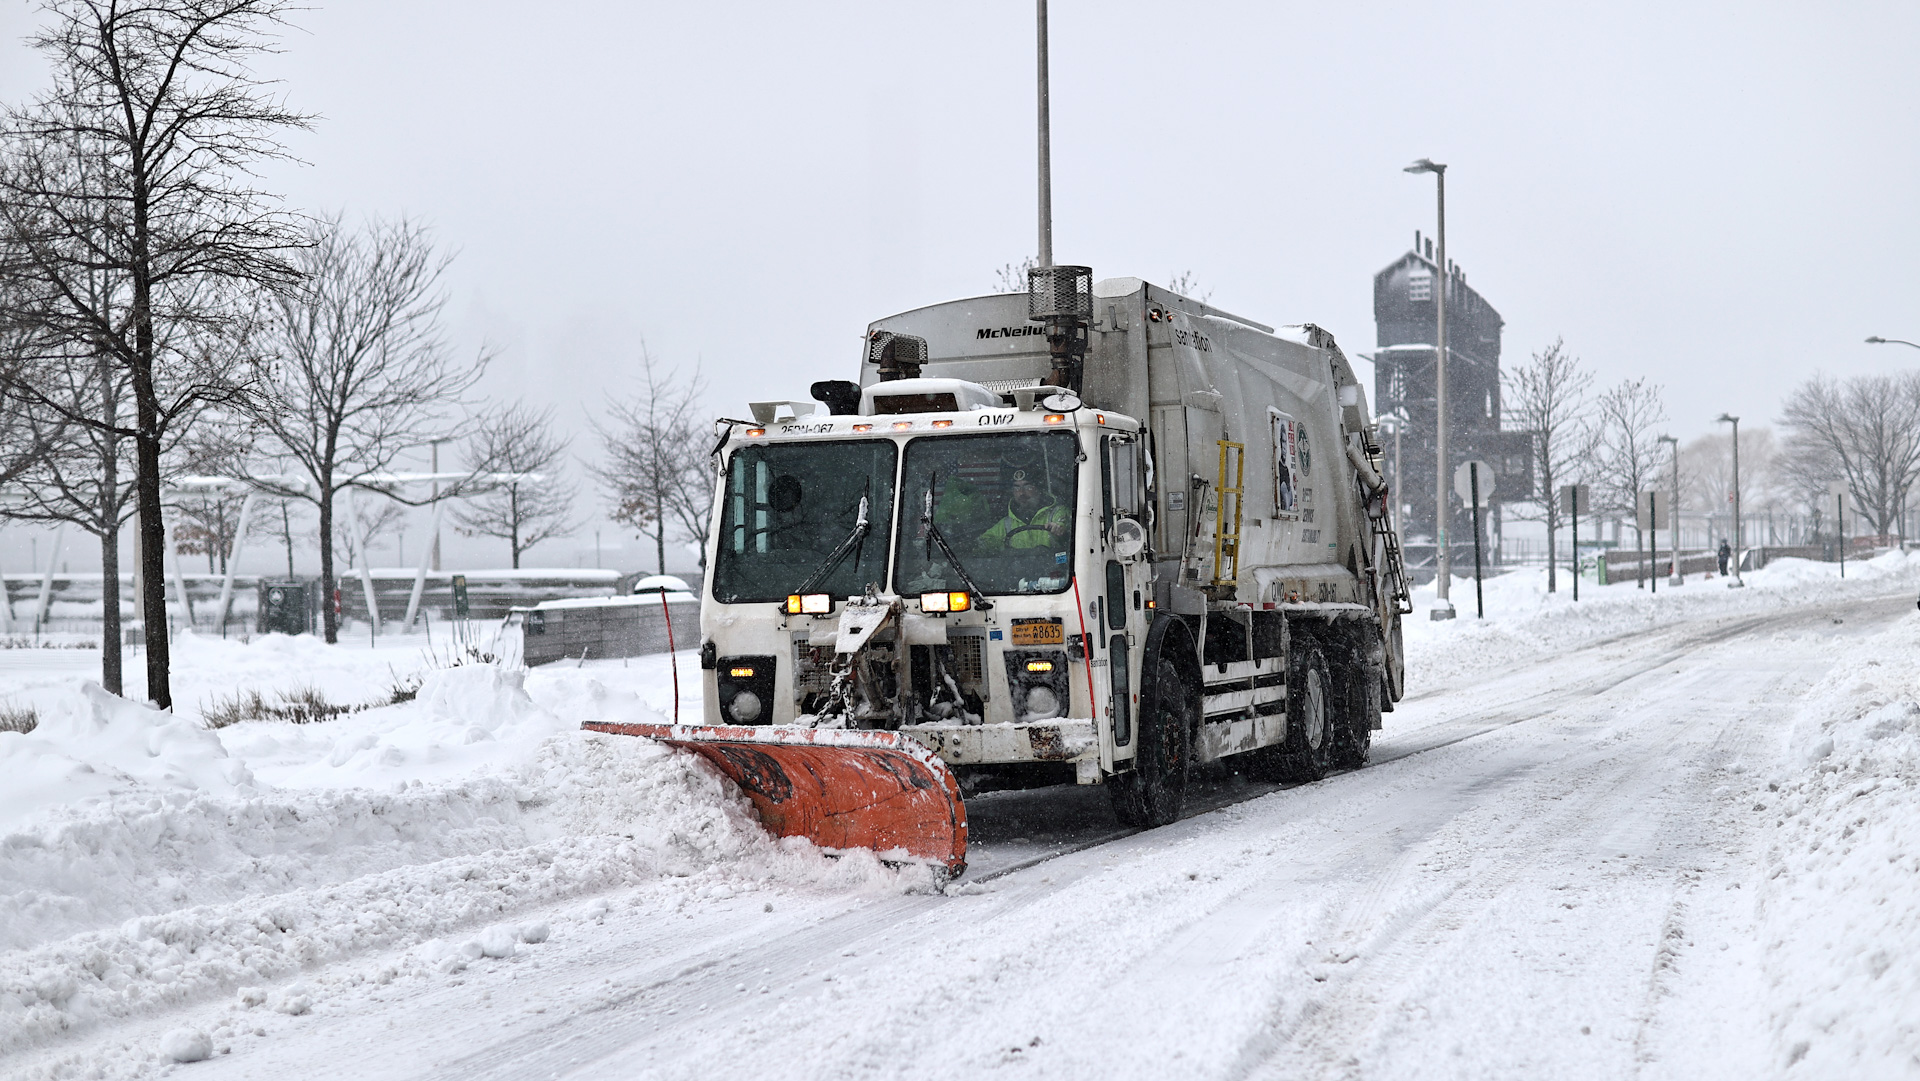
186 1045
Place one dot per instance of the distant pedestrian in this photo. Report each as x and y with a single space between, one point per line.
1726 553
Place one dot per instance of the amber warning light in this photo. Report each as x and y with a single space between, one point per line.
958 601
740 673
812 604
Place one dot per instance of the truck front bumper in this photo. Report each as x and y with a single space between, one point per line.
1062 740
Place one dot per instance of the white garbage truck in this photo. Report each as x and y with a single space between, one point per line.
1093 533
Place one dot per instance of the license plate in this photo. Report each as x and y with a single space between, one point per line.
1038 632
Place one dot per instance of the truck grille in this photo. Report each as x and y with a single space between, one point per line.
969 664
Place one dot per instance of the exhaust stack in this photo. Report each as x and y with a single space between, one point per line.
1062 298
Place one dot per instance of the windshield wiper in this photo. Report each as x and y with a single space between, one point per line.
935 536
855 539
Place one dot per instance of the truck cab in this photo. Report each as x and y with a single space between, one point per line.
969 570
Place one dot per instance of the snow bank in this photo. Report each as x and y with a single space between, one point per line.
1524 622
1839 885
91 746
143 865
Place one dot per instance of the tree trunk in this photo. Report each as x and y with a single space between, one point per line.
329 619
111 674
153 568
286 534
660 543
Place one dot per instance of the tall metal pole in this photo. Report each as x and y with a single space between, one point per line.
1046 144
1443 562
1479 602
1443 606
1738 581
1575 501
434 561
1673 518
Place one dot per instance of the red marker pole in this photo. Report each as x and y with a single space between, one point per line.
673 659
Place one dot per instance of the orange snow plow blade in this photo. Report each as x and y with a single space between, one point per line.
838 788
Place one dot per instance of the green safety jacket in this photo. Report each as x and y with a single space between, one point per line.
1012 532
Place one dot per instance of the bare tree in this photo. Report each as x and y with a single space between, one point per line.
127 201
361 372
1012 277
1865 431
207 518
1627 448
357 534
1706 474
1548 397
1185 284
83 479
658 470
523 511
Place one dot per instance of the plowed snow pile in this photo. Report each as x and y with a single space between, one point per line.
146 861
1839 893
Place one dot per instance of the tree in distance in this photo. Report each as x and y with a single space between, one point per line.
521 497
361 373
1865 431
135 231
1627 449
658 470
1547 397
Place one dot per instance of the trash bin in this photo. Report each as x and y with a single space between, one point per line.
286 607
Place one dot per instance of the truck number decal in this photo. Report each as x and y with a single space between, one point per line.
989 419
1183 336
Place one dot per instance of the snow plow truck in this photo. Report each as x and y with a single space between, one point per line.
1094 533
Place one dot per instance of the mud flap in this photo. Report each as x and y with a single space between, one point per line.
838 788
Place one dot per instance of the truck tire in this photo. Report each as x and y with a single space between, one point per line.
1358 684
1154 792
1307 754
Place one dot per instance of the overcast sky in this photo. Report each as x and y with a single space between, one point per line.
1717 196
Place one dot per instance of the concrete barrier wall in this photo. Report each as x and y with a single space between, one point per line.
616 627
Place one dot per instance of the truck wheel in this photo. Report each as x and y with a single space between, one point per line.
1153 793
1308 752
1358 686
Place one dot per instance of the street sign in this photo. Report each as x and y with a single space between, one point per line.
1838 489
1650 511
1463 482
1576 499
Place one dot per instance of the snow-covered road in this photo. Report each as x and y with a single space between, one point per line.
1637 856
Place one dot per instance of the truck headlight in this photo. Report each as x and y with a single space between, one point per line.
745 707
1042 703
955 601
812 604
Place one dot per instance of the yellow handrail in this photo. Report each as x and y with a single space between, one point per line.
1226 521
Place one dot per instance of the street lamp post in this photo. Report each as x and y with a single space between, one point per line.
1738 582
1673 515
1046 138
435 445
1443 563
1878 340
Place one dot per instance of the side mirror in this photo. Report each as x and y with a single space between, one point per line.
1129 539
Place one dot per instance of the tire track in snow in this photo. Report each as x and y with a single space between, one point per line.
1321 1036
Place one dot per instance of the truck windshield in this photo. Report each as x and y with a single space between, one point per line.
789 505
1003 501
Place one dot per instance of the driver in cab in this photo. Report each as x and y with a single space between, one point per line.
1033 519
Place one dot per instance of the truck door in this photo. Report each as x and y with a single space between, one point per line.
1127 578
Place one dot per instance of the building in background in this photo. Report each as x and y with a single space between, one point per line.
1403 364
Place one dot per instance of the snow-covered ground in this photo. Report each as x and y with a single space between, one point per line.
1668 835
